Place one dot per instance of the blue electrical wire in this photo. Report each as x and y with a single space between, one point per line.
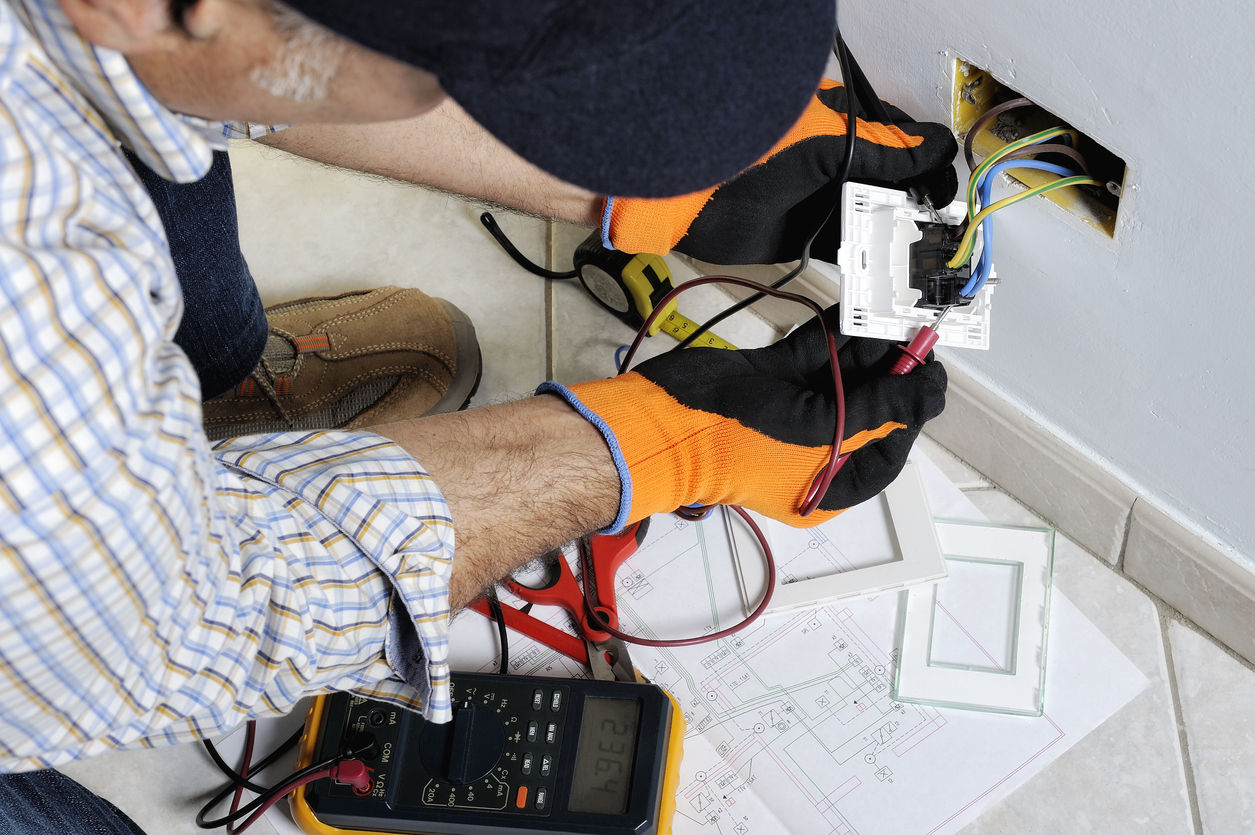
984 265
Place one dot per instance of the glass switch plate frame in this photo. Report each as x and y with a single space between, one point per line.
1018 690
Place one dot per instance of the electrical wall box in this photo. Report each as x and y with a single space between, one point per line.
892 274
976 91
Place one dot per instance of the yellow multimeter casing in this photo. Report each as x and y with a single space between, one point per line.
405 795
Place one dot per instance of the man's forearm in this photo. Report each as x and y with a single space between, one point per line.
520 478
448 150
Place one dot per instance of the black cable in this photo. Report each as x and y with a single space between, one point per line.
490 223
866 93
494 606
278 790
851 137
347 752
287 745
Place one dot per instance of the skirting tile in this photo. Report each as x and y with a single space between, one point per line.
1202 583
1064 487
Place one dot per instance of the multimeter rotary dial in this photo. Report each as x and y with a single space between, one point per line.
466 749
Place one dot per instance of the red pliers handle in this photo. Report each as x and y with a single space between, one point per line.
568 645
605 553
601 556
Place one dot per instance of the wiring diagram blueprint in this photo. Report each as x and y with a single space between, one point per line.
791 724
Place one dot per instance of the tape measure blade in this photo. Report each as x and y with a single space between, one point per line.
680 326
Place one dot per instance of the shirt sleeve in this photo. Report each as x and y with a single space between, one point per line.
154 589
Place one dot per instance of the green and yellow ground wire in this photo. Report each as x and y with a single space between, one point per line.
968 243
997 156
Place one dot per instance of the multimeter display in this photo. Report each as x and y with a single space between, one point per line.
521 755
603 760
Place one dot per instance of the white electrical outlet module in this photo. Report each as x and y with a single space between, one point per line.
878 227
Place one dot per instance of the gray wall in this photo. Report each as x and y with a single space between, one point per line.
1144 356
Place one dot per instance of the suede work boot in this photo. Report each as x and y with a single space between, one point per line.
351 361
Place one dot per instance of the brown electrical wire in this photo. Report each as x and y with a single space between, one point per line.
1065 150
989 115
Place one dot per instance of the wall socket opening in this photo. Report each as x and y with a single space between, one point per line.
976 91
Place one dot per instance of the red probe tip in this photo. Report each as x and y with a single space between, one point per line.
913 354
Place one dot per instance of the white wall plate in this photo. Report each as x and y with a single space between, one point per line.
985 651
877 230
918 551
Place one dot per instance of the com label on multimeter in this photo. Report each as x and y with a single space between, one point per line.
521 755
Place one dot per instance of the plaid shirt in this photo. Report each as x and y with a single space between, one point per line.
155 589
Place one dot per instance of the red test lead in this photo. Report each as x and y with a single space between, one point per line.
914 353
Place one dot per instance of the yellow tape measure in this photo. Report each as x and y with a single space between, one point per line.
630 286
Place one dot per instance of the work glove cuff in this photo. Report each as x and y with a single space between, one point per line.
667 455
616 452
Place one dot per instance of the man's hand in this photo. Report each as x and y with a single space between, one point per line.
765 214
698 426
754 428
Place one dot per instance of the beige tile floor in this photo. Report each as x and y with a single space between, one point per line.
1179 759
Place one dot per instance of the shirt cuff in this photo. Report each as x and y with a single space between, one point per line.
378 497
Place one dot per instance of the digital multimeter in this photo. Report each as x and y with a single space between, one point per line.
522 754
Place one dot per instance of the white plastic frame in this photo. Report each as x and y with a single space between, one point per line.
877 229
921 559
1020 690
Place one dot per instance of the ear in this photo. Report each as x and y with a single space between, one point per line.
123 25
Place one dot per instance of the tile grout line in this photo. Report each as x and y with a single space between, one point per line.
1124 541
1166 613
1178 713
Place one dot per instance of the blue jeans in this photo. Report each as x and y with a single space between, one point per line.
223 331
49 803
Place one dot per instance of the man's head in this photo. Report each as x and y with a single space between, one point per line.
253 60
645 98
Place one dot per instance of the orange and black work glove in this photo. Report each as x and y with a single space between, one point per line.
766 213
753 428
